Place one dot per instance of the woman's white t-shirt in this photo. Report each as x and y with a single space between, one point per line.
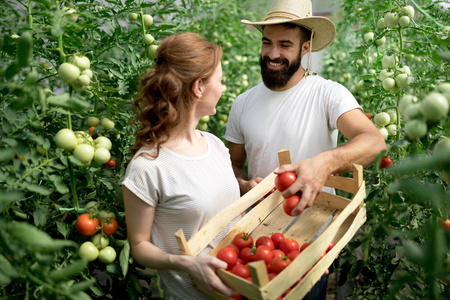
186 192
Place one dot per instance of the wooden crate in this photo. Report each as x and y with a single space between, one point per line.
268 217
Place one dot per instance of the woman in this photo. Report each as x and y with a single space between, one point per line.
179 177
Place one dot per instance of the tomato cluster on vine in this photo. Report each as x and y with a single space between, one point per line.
276 251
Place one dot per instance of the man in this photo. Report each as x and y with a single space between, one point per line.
295 110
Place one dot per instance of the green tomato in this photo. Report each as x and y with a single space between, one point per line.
442 146
388 84
71 14
392 115
382 119
100 241
381 24
392 129
107 123
92 121
133 16
91 207
88 72
66 139
408 10
405 101
388 61
148 20
103 142
381 41
84 152
416 128
101 155
385 74
391 19
107 255
83 80
204 119
412 111
83 138
434 106
68 72
384 132
368 36
152 51
401 80
81 61
404 21
88 251
148 39
202 126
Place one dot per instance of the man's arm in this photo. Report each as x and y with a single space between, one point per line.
365 141
238 159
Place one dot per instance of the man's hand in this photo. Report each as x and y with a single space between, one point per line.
246 186
311 176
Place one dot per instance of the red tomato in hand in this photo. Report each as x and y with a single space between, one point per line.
241 271
263 253
86 225
229 256
287 245
290 203
247 254
110 226
385 162
284 180
242 240
303 247
276 238
278 264
266 241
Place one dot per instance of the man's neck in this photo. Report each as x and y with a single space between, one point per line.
296 78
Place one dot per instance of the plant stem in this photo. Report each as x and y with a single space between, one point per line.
73 186
426 14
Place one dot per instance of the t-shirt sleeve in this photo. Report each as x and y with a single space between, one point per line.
140 179
233 131
341 101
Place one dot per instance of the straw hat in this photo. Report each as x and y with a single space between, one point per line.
299 12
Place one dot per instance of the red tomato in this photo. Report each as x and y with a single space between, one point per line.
330 246
290 203
111 163
228 255
240 261
266 241
385 162
110 226
247 254
293 254
235 248
284 180
369 116
446 224
278 264
276 238
263 253
287 245
86 225
278 252
303 247
241 271
242 240
272 275
238 297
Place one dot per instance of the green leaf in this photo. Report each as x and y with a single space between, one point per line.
60 186
7 197
24 49
40 216
63 228
42 190
124 257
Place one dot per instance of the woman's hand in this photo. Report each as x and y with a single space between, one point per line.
203 270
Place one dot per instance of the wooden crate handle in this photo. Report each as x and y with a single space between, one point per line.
182 242
284 157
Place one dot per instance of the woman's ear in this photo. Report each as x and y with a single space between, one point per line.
198 88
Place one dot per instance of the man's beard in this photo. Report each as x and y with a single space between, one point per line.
276 79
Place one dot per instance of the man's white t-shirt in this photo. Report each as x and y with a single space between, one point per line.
302 120
187 192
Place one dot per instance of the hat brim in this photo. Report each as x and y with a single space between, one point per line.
324 29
